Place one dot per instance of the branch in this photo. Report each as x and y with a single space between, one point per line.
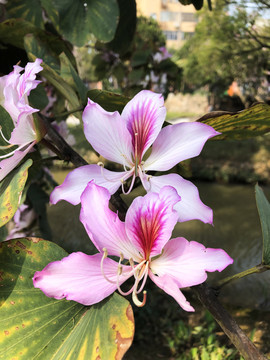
244 345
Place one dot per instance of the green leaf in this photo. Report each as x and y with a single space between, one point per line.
33 326
3 233
140 57
11 191
38 97
126 27
7 127
244 124
29 10
78 19
108 100
69 74
61 85
198 4
264 213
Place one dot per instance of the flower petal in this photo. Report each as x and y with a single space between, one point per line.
150 221
78 277
102 225
171 288
7 165
107 133
76 181
176 143
190 207
187 262
144 116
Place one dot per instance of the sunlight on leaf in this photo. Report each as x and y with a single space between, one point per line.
11 191
244 124
33 326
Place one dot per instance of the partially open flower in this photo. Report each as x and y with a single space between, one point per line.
14 91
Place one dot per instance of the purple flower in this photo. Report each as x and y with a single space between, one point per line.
125 140
143 241
14 91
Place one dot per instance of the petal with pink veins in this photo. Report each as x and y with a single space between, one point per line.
190 207
150 221
187 262
78 277
7 165
144 116
76 181
176 143
102 225
171 288
107 133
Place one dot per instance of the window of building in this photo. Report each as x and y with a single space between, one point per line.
186 35
169 16
186 17
171 35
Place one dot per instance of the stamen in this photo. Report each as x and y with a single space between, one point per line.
136 301
131 185
144 275
102 172
12 152
105 254
136 154
3 136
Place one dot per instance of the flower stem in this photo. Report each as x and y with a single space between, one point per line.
254 270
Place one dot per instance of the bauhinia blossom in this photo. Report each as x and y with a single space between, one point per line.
14 91
143 247
125 140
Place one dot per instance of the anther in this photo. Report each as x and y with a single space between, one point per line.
100 163
136 301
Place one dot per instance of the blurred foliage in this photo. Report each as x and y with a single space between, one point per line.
230 43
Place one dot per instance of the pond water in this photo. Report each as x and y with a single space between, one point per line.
236 229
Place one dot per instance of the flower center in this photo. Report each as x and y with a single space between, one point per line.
139 271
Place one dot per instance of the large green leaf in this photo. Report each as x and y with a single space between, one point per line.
7 126
78 19
33 326
108 100
11 191
29 10
126 27
264 213
244 124
69 74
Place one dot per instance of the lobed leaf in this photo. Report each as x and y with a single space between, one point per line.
240 125
99 17
264 214
11 191
33 326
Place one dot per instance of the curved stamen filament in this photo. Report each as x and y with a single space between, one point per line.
12 152
3 136
102 172
136 301
144 275
105 254
131 185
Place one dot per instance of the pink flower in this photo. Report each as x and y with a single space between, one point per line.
143 240
125 140
14 91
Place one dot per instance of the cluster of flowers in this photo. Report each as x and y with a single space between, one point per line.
143 242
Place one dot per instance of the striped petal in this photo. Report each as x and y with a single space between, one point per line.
107 133
102 225
190 207
150 221
144 116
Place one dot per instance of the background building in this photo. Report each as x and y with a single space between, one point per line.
176 20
